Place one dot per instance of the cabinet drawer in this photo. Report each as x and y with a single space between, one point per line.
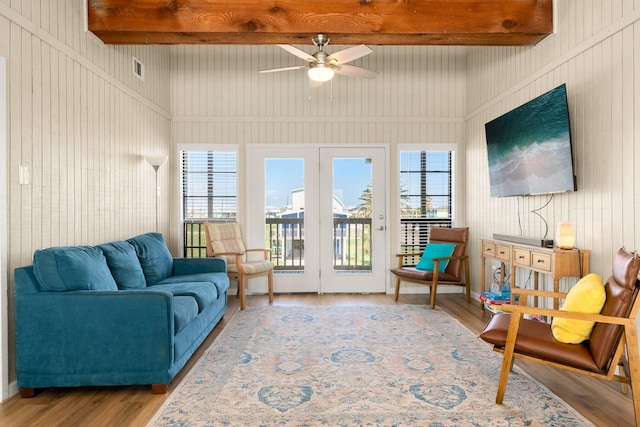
522 257
503 252
541 261
488 249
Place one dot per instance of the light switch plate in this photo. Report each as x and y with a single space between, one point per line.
25 175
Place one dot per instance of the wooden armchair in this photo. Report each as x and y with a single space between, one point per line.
456 272
225 240
612 345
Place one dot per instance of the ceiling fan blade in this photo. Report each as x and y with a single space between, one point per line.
349 54
353 71
275 70
299 53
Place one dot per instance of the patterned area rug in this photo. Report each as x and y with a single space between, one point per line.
399 365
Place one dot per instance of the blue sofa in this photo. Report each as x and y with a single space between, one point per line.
120 313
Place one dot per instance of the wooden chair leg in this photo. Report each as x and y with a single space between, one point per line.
241 291
433 295
434 283
270 287
507 361
631 336
467 282
397 288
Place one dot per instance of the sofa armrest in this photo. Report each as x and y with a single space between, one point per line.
182 266
62 334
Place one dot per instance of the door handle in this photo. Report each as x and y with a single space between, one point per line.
381 228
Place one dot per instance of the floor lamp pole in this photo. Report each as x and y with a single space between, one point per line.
155 168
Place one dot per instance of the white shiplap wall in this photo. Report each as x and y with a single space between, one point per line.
596 52
218 97
81 122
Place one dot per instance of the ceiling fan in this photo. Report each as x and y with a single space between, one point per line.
322 67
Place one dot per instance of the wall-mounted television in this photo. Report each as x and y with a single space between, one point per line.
530 149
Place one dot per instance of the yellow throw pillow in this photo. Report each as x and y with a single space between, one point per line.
586 296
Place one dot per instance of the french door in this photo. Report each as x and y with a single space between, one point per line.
323 213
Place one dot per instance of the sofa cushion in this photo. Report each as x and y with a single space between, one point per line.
154 257
220 280
124 265
72 268
185 309
205 293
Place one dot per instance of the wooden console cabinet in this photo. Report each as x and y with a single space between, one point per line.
554 262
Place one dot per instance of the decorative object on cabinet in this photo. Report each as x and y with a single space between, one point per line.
565 238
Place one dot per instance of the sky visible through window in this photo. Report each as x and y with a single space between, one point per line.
351 177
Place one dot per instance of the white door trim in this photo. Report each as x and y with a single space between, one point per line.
255 197
4 276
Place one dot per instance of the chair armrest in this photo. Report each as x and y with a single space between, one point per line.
450 258
401 257
409 254
264 251
535 293
520 309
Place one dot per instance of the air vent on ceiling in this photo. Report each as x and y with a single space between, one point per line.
138 68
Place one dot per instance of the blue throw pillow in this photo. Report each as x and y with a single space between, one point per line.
124 265
72 268
435 250
154 256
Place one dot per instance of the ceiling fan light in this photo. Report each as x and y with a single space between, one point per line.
321 74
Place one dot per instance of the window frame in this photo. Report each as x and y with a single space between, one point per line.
454 191
180 182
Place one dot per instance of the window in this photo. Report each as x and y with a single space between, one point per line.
209 193
426 182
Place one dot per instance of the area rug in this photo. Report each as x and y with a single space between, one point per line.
402 365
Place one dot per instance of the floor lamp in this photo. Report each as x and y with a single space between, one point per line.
156 162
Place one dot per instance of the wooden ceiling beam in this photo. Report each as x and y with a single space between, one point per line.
347 22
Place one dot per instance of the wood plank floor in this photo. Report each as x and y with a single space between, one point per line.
600 401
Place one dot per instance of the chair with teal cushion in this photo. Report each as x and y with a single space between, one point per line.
443 262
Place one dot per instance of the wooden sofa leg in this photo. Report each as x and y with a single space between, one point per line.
159 388
27 393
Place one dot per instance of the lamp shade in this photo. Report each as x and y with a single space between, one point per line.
321 73
155 161
565 238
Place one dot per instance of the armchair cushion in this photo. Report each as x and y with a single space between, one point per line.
586 296
435 250
72 268
226 238
255 267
